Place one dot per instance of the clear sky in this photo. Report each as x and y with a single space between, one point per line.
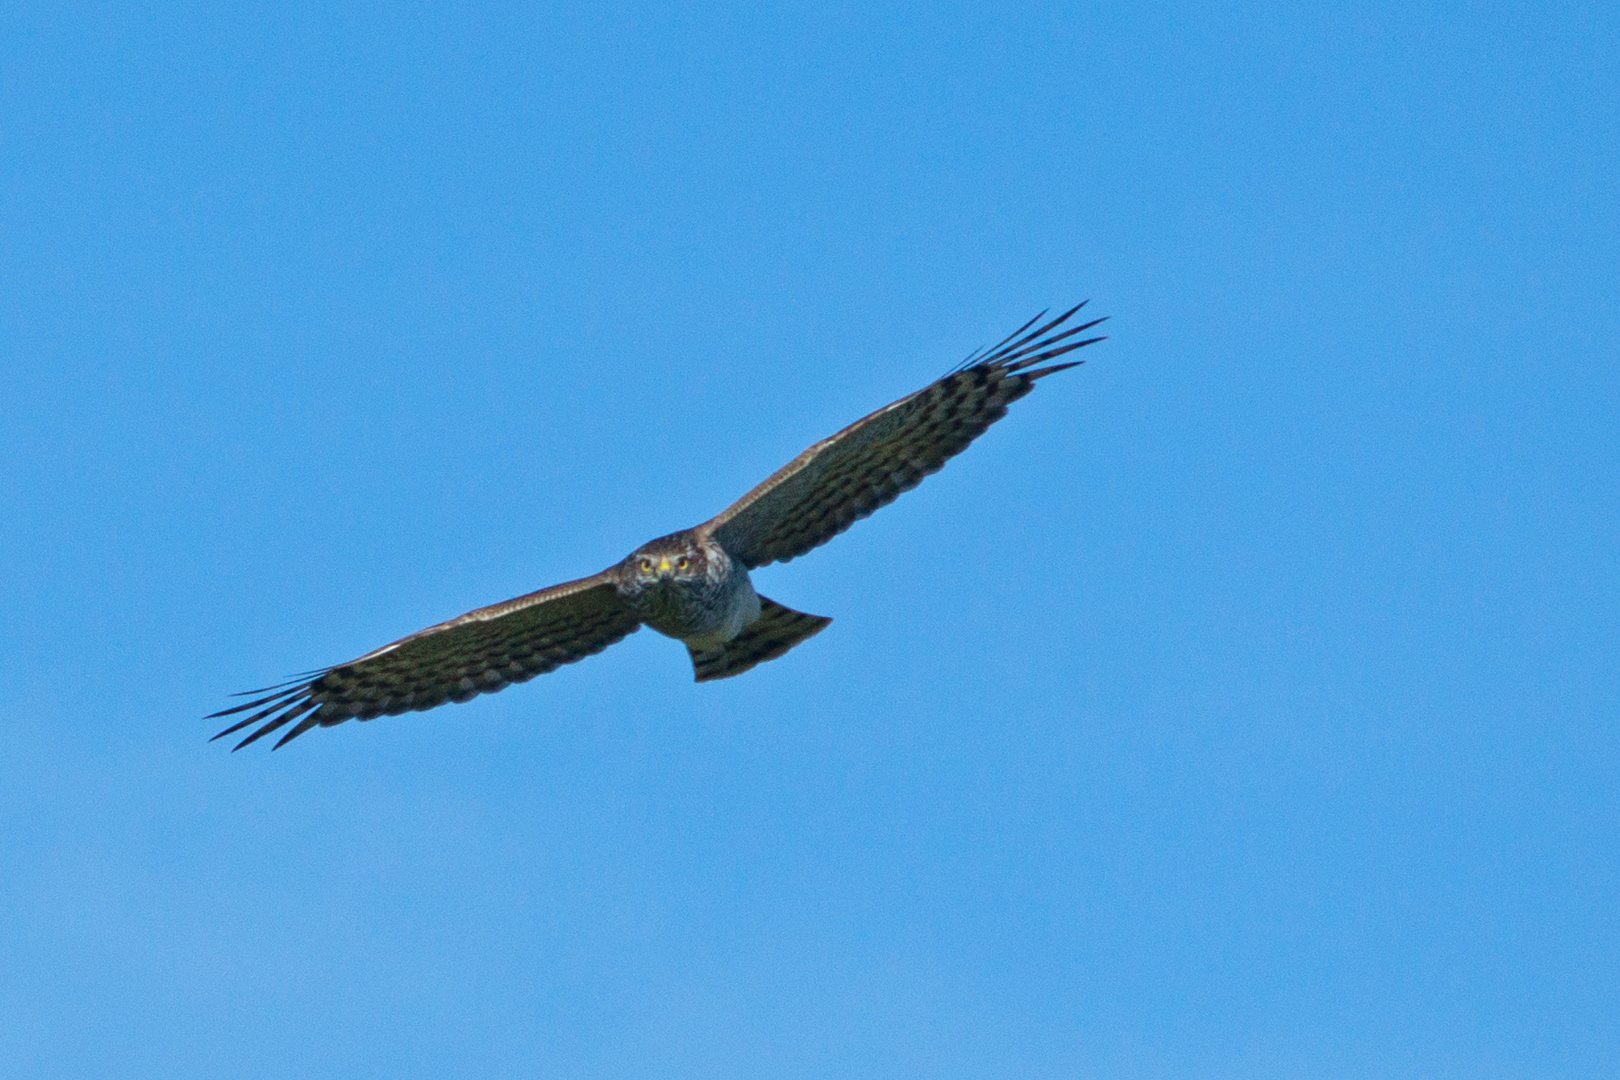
1243 705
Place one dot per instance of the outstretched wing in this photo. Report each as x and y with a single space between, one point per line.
479 653
840 480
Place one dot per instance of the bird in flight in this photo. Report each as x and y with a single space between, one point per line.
691 585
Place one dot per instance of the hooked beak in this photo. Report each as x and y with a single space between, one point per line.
663 568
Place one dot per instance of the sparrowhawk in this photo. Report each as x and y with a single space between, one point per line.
692 585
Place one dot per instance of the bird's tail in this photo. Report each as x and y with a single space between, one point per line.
777 630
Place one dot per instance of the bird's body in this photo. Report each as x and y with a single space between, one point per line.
692 585
688 587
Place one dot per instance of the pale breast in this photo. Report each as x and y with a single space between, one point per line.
706 610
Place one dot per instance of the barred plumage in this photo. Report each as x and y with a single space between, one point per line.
692 585
869 464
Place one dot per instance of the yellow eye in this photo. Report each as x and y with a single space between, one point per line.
680 563
646 566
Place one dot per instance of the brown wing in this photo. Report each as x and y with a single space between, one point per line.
840 480
479 653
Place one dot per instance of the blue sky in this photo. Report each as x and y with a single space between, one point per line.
1243 705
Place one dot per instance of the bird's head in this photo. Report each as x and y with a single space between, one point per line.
669 558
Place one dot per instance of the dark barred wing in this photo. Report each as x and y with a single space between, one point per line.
840 480
479 653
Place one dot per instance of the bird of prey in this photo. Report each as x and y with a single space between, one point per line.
691 585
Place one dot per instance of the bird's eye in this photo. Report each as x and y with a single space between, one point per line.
646 566
680 563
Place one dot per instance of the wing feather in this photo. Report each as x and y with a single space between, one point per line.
869 464
478 653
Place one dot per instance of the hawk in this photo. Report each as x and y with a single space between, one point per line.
691 585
